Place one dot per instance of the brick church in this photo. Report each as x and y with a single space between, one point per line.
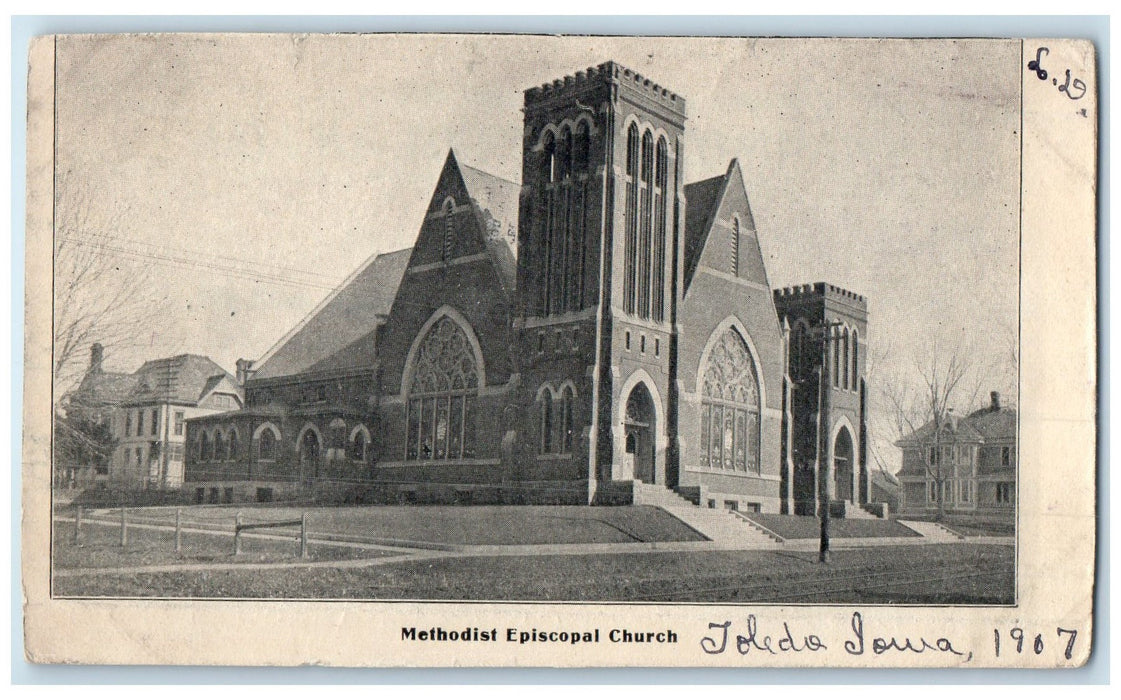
598 333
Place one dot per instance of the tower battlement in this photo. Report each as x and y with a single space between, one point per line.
819 289
606 73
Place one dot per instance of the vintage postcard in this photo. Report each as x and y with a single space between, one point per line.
433 350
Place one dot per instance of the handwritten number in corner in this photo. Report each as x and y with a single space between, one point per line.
1037 65
1074 89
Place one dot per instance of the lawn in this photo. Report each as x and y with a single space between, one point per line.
101 548
932 574
794 527
454 525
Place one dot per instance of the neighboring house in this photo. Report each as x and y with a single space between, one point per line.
83 436
970 466
886 488
599 332
149 424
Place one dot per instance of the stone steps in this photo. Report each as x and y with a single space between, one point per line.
721 526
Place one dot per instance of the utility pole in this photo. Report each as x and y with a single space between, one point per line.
825 472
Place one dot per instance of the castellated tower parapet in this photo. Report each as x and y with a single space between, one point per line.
609 74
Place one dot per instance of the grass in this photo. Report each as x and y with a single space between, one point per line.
794 527
101 548
455 525
933 574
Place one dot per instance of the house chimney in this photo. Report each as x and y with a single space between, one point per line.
994 396
243 371
97 354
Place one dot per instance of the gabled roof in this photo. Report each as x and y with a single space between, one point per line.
980 426
995 424
99 389
349 313
497 201
702 199
179 379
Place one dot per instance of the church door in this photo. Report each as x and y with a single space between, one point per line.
638 428
842 466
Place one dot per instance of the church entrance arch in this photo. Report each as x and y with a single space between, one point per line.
842 465
639 429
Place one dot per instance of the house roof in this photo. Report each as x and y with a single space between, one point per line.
980 426
99 389
702 199
351 312
498 201
179 379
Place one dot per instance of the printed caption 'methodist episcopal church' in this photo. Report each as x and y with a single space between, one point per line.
603 333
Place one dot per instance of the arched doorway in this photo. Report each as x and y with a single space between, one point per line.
639 431
842 465
309 455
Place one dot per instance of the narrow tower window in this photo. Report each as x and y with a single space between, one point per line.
736 247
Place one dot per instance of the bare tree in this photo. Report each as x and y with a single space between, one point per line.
940 380
99 295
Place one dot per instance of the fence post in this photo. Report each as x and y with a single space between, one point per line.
178 532
78 526
237 533
303 536
124 527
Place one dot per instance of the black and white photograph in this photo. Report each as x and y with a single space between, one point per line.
574 320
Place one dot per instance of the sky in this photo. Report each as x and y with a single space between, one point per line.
887 167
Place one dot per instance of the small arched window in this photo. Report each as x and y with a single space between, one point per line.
736 246
647 156
266 445
448 235
566 154
219 446
358 443
547 441
550 157
845 366
233 446
855 359
660 172
566 422
582 155
205 453
632 150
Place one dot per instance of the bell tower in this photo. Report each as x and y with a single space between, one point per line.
599 261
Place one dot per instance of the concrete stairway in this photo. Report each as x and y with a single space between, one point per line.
721 526
933 532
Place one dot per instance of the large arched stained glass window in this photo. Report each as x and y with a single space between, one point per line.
730 407
442 394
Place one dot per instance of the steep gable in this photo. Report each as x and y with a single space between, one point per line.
712 208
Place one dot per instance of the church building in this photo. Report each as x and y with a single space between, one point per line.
598 333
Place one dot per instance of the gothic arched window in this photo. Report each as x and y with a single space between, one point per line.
441 407
566 423
855 359
845 358
359 440
550 160
730 406
219 446
581 155
266 445
448 237
546 422
232 447
205 453
630 246
657 311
